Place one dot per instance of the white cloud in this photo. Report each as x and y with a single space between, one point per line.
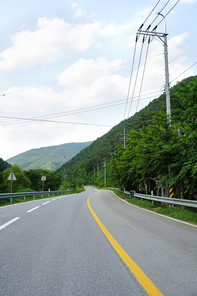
74 5
80 12
52 40
94 81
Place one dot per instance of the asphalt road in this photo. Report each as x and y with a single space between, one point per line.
54 247
165 249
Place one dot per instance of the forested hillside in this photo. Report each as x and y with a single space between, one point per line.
156 155
4 165
50 158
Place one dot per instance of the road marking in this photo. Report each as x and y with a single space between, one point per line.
54 199
155 213
149 287
33 209
9 222
46 202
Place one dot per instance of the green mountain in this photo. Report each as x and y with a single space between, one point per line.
50 158
4 165
101 149
153 150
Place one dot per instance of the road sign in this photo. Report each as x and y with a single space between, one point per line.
43 178
12 177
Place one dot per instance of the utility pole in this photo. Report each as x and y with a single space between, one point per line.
167 81
97 169
105 173
124 137
163 38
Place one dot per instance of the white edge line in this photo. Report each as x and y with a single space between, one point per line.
9 222
46 202
33 209
164 216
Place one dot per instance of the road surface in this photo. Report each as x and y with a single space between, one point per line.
54 246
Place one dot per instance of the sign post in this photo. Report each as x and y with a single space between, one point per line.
11 178
43 178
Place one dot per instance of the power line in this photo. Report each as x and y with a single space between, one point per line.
149 15
158 15
143 73
72 112
136 75
167 14
54 121
68 78
183 72
130 77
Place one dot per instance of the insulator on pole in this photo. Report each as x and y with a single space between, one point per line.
154 28
148 28
136 39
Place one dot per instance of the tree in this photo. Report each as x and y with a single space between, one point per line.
21 182
53 179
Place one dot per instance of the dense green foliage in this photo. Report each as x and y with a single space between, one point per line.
49 158
53 179
4 165
156 155
29 179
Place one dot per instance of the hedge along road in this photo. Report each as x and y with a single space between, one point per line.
54 247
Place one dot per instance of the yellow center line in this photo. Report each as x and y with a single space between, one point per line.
149 287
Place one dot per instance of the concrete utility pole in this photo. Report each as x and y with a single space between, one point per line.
124 137
163 38
105 173
167 81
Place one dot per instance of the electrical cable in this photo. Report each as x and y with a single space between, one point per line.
72 77
54 121
166 14
143 74
158 15
149 15
183 72
102 106
136 75
131 74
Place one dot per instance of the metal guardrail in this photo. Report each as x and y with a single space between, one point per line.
34 194
170 201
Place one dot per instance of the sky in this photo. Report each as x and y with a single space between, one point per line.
71 70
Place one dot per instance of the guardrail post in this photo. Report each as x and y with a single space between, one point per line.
34 196
24 197
10 199
132 192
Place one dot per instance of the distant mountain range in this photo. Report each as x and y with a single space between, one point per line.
50 158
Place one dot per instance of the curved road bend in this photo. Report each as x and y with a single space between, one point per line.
54 247
165 249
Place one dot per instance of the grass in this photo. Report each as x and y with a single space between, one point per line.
187 214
